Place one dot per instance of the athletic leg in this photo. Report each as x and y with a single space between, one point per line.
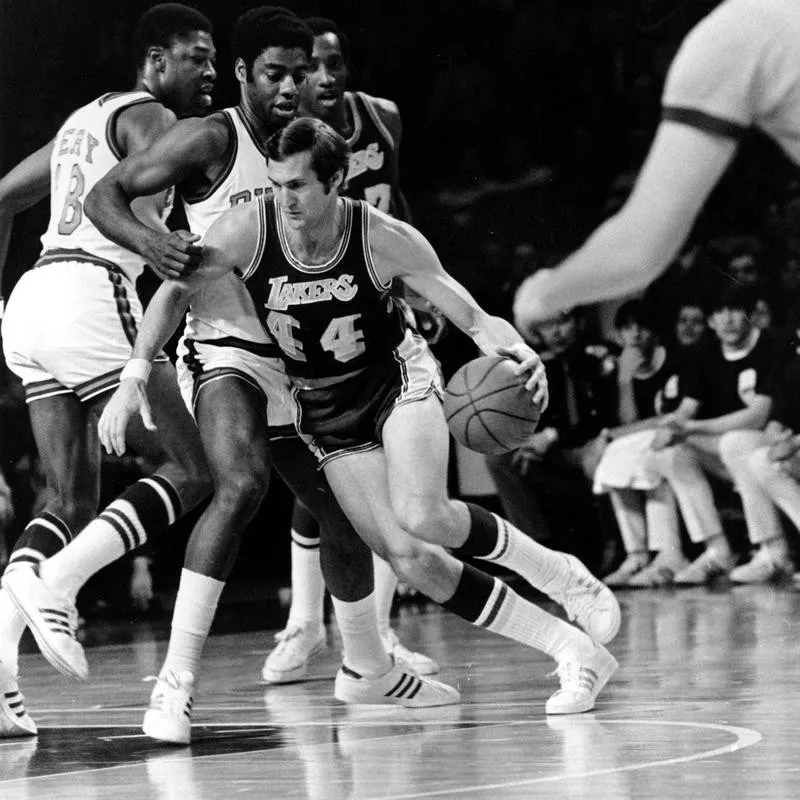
366 488
416 443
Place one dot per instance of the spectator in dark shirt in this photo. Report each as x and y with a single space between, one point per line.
545 486
733 384
649 377
767 480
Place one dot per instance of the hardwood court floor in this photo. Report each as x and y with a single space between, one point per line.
705 705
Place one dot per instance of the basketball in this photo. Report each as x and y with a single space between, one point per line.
487 408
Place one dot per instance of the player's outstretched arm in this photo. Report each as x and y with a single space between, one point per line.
401 251
231 241
22 187
187 147
633 247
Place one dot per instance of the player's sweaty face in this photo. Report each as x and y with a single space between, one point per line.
274 83
327 78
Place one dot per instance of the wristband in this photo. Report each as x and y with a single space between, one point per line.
138 368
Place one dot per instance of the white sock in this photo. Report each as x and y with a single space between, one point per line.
385 585
96 546
362 645
516 618
308 585
195 607
543 568
12 626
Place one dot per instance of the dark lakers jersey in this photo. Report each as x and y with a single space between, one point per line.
329 319
372 175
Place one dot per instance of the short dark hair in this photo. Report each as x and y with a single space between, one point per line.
732 295
329 150
162 24
268 26
322 25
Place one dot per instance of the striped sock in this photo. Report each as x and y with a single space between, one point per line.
143 509
489 603
43 536
195 607
492 538
308 585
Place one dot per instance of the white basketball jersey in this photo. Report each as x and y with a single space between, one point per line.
224 310
85 150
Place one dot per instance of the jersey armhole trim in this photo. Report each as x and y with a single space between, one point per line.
261 244
226 169
709 123
380 124
111 126
366 213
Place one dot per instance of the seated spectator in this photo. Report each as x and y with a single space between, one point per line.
545 487
766 478
690 322
650 387
733 384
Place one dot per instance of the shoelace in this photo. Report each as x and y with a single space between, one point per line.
568 674
577 600
288 633
170 679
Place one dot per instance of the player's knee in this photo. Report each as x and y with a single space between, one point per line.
243 487
760 466
412 561
422 518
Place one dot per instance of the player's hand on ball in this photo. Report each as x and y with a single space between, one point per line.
528 360
130 398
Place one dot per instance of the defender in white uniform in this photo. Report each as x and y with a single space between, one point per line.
71 322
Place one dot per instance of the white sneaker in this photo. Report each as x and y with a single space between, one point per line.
581 681
705 568
763 567
400 686
53 620
297 646
419 662
14 719
589 602
169 716
633 564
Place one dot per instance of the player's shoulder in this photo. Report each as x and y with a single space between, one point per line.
386 109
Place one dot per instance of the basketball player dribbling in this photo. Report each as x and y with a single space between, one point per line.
372 128
318 268
71 320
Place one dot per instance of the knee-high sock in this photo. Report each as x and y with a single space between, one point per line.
492 538
195 607
143 509
43 536
308 585
489 603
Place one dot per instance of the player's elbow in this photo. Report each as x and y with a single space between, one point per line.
93 204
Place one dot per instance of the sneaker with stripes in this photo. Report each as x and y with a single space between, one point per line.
53 620
14 719
400 686
581 681
169 716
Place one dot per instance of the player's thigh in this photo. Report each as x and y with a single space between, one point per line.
69 448
416 443
231 418
176 436
359 482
